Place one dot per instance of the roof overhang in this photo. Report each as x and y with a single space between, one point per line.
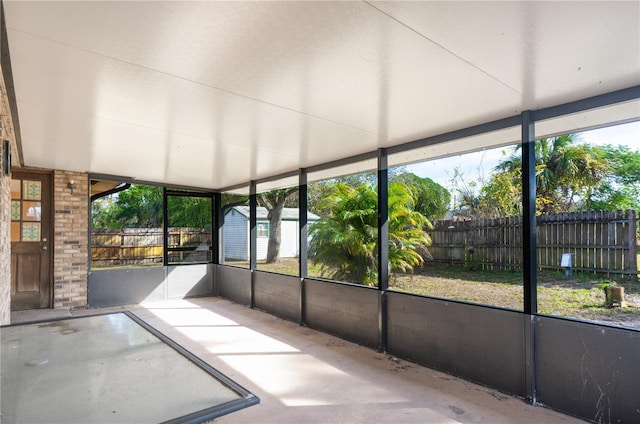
216 94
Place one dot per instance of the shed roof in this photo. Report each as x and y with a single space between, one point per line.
288 214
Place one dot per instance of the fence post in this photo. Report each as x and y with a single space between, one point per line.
632 252
121 247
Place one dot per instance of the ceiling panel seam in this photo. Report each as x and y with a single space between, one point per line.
393 18
166 131
202 84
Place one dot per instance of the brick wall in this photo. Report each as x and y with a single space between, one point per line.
5 247
71 240
6 133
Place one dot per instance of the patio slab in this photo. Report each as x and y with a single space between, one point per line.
303 375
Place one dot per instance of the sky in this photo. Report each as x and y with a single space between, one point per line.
478 165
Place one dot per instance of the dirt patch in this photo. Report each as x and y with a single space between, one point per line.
580 297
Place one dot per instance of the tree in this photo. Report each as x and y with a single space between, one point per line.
318 190
408 239
566 173
192 212
502 195
431 199
274 201
230 200
140 206
344 241
102 213
569 177
620 189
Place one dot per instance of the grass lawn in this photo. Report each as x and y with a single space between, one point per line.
578 297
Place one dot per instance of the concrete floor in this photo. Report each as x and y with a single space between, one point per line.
305 376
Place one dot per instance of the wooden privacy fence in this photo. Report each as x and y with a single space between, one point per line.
598 241
129 246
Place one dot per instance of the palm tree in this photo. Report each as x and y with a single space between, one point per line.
565 172
408 239
344 241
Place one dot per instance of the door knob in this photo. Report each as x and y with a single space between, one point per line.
44 247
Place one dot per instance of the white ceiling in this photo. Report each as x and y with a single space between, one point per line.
214 94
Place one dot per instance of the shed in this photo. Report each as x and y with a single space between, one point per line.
236 232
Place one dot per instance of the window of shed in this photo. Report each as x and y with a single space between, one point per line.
263 230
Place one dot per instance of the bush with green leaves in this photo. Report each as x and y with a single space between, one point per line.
344 241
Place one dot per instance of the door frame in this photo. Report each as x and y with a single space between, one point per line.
45 220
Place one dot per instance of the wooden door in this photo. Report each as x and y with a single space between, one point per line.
30 240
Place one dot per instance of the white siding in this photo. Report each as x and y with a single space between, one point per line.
261 246
289 241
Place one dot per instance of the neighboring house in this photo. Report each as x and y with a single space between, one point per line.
236 233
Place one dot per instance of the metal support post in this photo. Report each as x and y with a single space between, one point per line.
529 251
383 247
253 234
303 247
